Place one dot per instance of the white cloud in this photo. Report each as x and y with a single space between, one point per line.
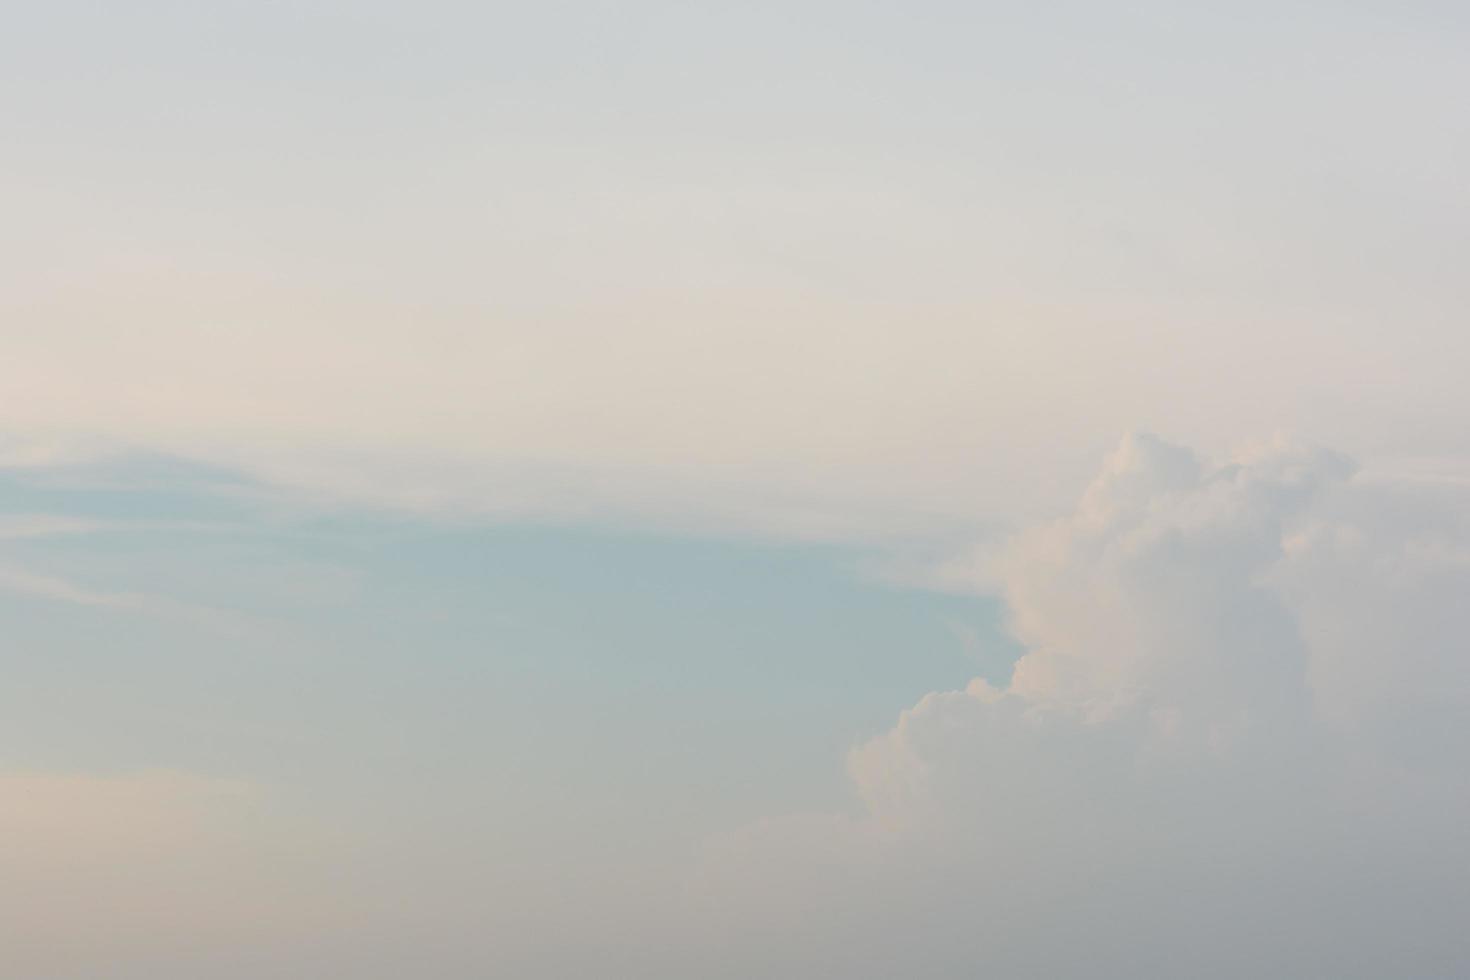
19 526
1233 746
42 586
1206 609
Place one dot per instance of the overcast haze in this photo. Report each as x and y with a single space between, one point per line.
795 490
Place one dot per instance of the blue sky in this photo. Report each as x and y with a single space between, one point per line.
270 641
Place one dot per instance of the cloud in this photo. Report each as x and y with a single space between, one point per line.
1213 609
53 588
1191 772
1234 745
22 526
41 586
217 621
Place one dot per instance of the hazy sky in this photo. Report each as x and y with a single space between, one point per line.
791 490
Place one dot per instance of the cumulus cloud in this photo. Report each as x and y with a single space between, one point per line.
1215 610
1233 746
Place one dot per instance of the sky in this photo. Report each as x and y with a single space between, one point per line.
796 490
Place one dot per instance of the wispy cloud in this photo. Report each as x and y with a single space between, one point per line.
21 526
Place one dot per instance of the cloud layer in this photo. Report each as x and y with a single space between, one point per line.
476 293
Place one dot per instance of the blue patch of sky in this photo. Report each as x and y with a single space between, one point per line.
622 669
